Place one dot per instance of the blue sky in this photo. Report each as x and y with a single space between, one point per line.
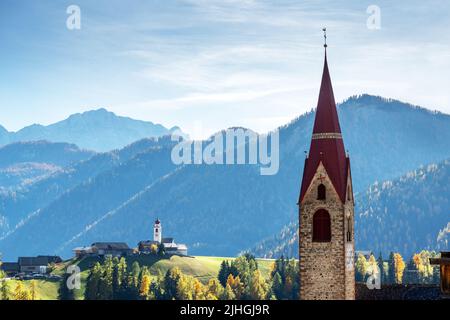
206 65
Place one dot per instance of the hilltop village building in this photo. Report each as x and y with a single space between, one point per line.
326 208
115 249
169 245
121 249
29 265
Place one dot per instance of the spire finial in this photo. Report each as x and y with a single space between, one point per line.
325 36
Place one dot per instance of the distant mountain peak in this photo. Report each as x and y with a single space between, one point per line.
98 130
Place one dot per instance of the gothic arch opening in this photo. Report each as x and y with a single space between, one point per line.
321 226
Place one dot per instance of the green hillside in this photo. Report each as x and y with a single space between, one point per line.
203 268
45 290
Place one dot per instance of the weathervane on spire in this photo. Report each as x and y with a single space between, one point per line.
325 36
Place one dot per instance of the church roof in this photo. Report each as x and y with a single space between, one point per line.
327 145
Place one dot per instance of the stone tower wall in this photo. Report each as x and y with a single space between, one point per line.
323 273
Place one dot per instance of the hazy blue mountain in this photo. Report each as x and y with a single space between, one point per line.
60 154
88 201
24 162
407 214
221 210
404 215
18 205
4 136
98 130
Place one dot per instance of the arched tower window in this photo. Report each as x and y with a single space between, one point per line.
321 226
321 192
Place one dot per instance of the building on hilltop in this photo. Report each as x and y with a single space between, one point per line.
326 208
10 268
29 265
121 249
169 245
115 249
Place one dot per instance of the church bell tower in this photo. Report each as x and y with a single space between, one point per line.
326 207
157 231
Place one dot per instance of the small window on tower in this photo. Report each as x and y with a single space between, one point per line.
321 192
321 226
349 230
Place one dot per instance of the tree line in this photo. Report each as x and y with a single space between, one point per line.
395 270
238 279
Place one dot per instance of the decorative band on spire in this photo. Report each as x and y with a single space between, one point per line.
327 135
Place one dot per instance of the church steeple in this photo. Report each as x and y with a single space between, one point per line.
326 209
327 145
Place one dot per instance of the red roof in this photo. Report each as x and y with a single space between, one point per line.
327 145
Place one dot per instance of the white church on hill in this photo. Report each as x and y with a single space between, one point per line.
170 247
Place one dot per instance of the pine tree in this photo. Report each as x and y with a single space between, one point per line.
380 264
120 279
156 291
131 287
64 293
277 286
106 281
224 272
135 271
391 269
171 282
93 282
161 249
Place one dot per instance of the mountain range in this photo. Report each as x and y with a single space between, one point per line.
25 162
216 209
98 130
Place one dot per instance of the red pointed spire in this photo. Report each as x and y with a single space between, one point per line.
327 145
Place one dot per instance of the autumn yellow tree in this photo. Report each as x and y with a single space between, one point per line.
372 267
185 288
228 293
33 290
199 291
145 286
154 249
20 293
361 268
399 267
258 286
422 263
236 285
214 289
